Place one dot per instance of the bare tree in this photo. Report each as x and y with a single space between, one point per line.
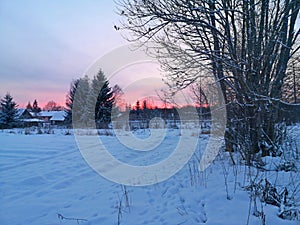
198 93
118 96
246 46
291 85
53 106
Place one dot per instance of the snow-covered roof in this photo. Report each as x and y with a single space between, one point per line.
20 112
33 120
52 115
58 116
46 113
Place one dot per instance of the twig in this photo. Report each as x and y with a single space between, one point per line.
61 217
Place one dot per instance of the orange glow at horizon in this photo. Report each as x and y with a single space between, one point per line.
42 99
152 101
139 82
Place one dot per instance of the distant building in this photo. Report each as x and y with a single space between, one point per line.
24 114
44 115
58 118
51 117
26 119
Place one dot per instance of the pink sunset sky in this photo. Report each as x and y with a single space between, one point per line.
46 44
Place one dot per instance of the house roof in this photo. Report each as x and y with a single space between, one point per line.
53 115
58 116
20 112
46 113
23 113
33 120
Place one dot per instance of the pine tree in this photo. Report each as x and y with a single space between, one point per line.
81 116
138 107
145 105
70 100
29 107
77 107
88 103
103 97
9 112
35 107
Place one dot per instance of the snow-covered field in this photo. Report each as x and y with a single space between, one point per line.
44 180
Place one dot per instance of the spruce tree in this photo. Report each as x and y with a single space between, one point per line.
29 107
103 97
35 107
9 112
70 100
137 106
89 103
81 108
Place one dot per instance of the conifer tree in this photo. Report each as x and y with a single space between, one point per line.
77 107
103 97
35 107
90 103
9 112
29 107
70 100
81 106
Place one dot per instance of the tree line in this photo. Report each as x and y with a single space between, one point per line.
94 100
9 111
93 103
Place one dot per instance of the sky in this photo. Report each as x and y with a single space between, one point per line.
46 44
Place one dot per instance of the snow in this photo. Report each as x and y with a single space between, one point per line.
58 116
33 120
20 112
44 175
46 113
